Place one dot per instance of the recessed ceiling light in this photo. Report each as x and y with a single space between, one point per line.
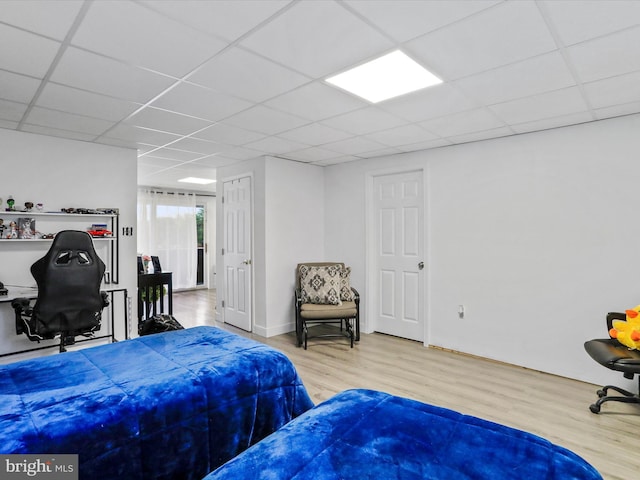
385 77
199 181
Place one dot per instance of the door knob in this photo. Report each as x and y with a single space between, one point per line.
420 265
247 262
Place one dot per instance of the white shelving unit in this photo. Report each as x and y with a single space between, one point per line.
50 223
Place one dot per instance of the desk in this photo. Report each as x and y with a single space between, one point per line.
32 293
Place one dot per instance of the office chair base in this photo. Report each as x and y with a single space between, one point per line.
627 397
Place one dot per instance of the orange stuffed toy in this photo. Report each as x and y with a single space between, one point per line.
628 332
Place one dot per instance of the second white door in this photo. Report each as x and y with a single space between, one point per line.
398 246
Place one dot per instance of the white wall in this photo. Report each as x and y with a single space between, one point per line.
535 234
62 173
288 221
295 213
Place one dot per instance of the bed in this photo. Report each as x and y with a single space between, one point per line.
366 434
173 405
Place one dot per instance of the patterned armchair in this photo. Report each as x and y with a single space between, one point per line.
324 295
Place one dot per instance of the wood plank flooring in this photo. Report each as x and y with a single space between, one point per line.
553 407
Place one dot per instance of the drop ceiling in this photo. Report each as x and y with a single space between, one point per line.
196 85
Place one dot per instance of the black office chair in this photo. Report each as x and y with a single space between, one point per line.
69 301
615 356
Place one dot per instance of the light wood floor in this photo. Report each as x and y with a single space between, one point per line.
553 407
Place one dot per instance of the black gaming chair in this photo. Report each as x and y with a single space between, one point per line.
69 301
609 353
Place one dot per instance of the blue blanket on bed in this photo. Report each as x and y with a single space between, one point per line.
362 434
172 405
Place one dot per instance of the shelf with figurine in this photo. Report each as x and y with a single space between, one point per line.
18 228
21 224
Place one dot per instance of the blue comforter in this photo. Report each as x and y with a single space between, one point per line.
363 434
172 405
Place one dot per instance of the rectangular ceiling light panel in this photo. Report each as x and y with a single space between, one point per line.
385 77
199 181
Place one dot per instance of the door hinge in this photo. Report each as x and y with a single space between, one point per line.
222 303
223 251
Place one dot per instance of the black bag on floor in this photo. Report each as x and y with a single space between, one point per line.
159 323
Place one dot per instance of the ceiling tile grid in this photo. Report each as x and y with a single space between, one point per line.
199 84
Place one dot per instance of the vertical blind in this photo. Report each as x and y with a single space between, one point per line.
167 228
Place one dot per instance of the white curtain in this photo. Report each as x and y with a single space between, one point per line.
167 228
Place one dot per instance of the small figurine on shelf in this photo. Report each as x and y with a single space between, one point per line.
39 206
2 227
28 206
13 230
27 228
10 203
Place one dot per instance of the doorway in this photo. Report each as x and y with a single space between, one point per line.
397 260
237 253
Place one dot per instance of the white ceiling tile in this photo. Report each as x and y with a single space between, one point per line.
166 121
265 120
403 135
57 132
482 135
236 153
115 142
532 76
315 134
432 102
191 144
275 145
614 90
80 102
317 39
235 71
510 32
354 146
126 132
51 19
538 107
607 56
215 161
365 120
223 133
96 73
380 152
312 154
200 102
45 117
8 124
127 31
224 18
159 162
12 111
414 147
618 110
174 154
555 122
406 19
316 101
579 21
18 88
36 62
337 160
463 123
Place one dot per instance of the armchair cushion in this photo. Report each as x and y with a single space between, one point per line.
321 284
315 311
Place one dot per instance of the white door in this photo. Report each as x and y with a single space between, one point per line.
398 243
237 253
